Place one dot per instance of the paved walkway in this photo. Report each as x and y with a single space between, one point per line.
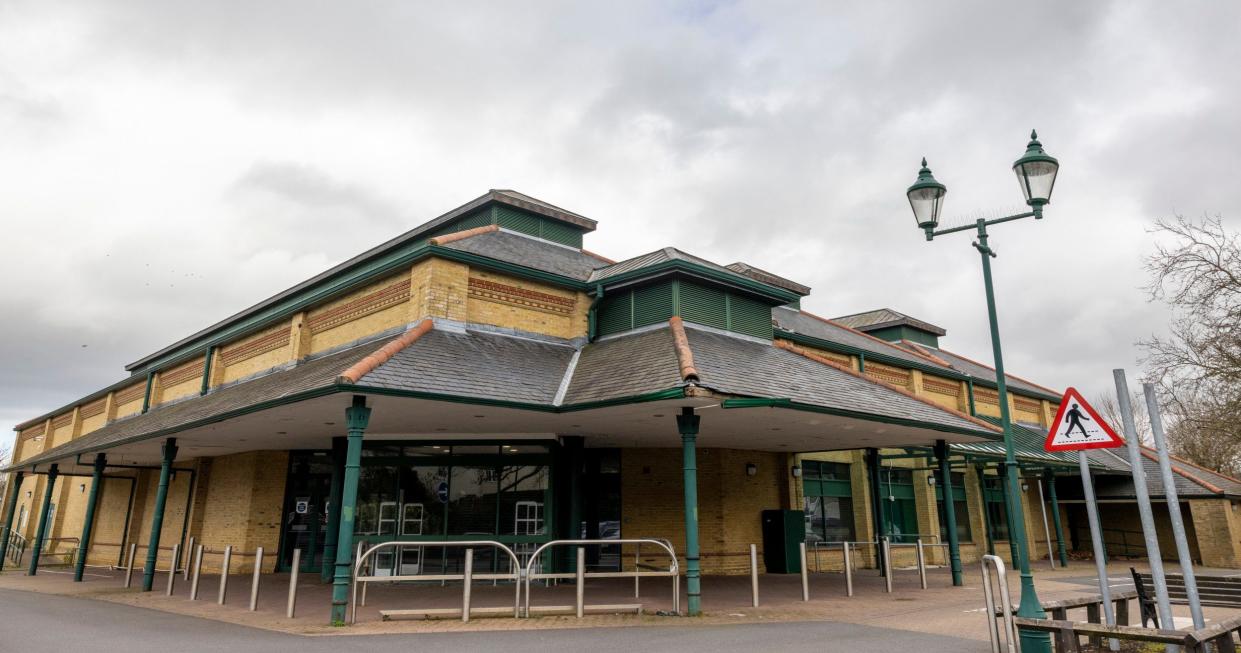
41 622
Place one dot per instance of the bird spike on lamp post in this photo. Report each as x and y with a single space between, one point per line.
1036 174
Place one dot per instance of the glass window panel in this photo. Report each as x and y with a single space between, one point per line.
426 450
522 448
381 450
523 491
464 449
377 484
472 500
422 509
814 519
961 509
837 519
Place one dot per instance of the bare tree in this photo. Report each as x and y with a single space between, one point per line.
1109 409
1198 365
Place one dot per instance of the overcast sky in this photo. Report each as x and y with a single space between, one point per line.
165 164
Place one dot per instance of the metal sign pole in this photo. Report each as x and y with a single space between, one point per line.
1096 539
1144 500
1174 506
1042 506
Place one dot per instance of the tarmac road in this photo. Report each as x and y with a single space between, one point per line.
32 622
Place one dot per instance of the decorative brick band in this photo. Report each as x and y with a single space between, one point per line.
181 374
63 419
989 396
1028 405
941 387
132 393
372 302
93 408
33 431
887 375
268 342
532 299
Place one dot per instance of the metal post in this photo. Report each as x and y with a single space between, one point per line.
157 520
1096 539
980 472
129 565
687 424
950 515
467 583
9 508
292 608
1144 501
637 561
254 581
754 574
848 569
886 545
805 573
1050 474
172 571
357 555
44 513
228 559
921 563
189 550
1031 641
198 567
88 521
873 468
1174 507
357 416
333 512
1042 507
1009 516
581 581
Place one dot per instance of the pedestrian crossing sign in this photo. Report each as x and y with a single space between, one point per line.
1079 426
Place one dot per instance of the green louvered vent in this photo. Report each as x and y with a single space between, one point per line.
516 220
476 219
519 221
614 314
558 232
703 305
652 304
749 316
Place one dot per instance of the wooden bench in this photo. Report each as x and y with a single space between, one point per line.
1217 591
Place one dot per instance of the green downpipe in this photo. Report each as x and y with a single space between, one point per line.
206 384
592 316
333 514
969 389
874 466
980 471
41 533
89 520
157 520
9 509
687 424
950 512
357 417
146 396
1055 515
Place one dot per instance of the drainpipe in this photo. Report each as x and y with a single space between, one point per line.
146 396
873 467
592 316
16 482
41 533
157 520
1055 515
89 520
969 388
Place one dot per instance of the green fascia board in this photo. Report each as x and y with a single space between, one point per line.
879 357
773 295
351 281
841 412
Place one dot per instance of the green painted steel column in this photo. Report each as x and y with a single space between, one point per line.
1008 514
1055 515
874 466
1030 607
9 509
950 512
41 533
979 471
357 417
687 424
157 520
333 509
88 521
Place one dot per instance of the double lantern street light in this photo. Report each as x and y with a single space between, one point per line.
1036 174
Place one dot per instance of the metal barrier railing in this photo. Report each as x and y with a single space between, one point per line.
637 560
673 571
1009 637
17 547
467 576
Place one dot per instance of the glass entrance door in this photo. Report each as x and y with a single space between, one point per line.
306 509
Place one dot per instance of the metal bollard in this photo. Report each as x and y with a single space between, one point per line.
806 575
848 569
172 573
754 574
357 555
887 563
189 551
228 559
129 566
581 581
198 567
254 582
921 563
637 562
297 563
466 584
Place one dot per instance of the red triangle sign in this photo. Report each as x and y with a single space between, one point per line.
1079 426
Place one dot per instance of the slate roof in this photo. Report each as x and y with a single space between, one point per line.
795 321
766 277
739 366
476 364
1028 445
885 317
1191 481
655 258
312 374
530 252
983 372
625 366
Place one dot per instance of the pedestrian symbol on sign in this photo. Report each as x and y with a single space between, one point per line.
1078 426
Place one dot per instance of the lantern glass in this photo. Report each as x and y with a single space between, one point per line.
926 203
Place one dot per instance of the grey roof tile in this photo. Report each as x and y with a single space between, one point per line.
795 321
625 366
529 252
986 373
885 317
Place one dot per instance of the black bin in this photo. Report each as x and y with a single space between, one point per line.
783 533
